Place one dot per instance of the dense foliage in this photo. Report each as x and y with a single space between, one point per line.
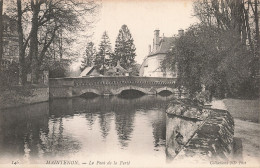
221 53
212 58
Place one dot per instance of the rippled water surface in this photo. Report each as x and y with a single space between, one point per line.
99 129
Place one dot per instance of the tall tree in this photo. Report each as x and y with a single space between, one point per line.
124 48
22 44
256 61
51 22
33 52
89 56
226 15
103 57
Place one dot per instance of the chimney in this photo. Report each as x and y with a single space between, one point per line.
180 32
149 49
156 39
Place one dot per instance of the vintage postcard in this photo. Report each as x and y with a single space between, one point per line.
129 83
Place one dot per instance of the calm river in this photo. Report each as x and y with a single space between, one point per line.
99 130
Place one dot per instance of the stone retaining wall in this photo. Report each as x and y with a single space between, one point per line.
199 134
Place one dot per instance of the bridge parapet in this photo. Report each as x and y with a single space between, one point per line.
59 82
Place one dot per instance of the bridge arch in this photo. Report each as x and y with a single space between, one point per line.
165 89
89 90
121 89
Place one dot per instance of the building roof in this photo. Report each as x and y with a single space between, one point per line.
86 71
164 46
119 67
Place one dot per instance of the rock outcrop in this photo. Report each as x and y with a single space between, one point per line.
187 108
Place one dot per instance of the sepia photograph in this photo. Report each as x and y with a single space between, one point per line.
129 83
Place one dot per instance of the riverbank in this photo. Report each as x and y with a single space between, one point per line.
22 95
244 112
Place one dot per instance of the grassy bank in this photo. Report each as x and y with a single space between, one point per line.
247 110
21 95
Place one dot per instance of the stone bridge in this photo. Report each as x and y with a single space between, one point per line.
71 87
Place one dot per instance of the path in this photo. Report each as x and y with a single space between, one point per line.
249 132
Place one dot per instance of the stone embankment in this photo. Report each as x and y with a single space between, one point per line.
199 134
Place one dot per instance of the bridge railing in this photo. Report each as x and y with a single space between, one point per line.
57 82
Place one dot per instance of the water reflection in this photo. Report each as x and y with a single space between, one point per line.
21 130
159 129
65 128
105 120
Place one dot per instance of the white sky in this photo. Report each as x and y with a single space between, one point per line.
142 18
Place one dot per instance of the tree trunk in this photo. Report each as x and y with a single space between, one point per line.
60 44
248 27
21 44
33 52
1 34
257 36
242 20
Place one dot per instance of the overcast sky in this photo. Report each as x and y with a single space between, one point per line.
142 18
